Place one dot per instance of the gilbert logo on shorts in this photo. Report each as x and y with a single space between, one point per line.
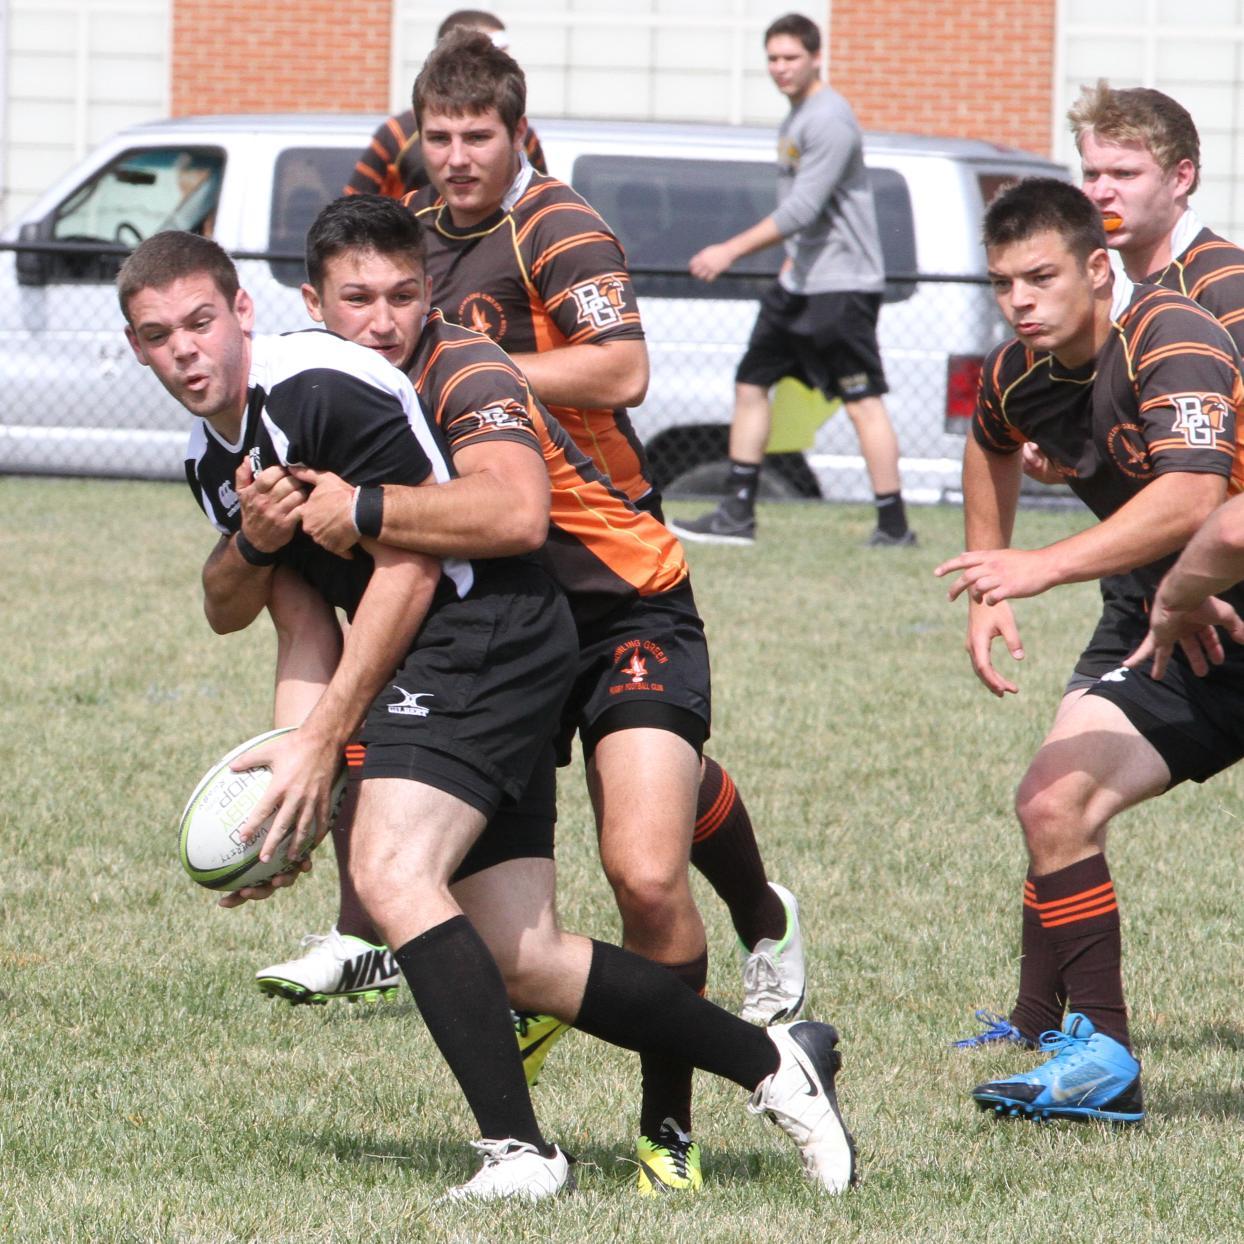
599 302
636 653
409 705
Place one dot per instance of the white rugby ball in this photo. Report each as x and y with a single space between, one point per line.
212 850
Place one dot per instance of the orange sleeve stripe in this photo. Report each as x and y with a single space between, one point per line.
528 225
568 244
1186 347
591 334
465 373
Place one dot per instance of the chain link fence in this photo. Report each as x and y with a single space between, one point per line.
76 402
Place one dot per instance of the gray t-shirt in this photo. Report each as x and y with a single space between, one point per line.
825 204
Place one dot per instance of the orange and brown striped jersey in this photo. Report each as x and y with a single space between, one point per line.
392 163
1164 394
601 550
544 273
1210 270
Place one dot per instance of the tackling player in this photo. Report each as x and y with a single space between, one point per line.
523 258
478 649
1133 393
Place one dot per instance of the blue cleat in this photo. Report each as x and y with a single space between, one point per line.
1088 1076
998 1031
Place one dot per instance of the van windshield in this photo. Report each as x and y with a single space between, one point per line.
141 193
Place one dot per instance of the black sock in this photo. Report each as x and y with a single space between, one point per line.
891 516
742 484
461 996
637 1004
724 850
667 1077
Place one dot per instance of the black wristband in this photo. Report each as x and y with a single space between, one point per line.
256 557
369 510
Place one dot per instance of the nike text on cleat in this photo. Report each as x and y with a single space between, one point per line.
800 1098
718 526
774 978
536 1035
1087 1076
670 1162
998 1030
514 1169
333 966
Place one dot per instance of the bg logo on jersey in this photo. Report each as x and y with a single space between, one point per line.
600 302
1200 418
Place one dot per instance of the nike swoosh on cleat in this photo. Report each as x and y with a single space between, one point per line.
533 1046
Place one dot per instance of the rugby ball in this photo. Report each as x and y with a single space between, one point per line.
212 850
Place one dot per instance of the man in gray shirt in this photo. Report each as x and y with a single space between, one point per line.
818 322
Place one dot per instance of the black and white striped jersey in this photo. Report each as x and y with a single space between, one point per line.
318 400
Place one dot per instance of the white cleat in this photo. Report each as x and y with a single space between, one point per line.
774 977
333 966
513 1168
800 1098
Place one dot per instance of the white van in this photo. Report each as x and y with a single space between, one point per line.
75 401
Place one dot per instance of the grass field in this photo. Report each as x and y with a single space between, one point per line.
149 1093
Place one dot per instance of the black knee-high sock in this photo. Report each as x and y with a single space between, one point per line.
639 1005
724 851
1042 995
461 996
667 1077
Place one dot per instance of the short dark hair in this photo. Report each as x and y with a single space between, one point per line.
1044 205
1142 115
465 74
472 19
799 27
169 256
361 222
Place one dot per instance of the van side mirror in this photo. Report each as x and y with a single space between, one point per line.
33 267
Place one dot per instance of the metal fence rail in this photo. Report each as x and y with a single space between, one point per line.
74 400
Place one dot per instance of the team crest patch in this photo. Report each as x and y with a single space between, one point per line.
1199 418
635 661
599 302
482 313
1126 443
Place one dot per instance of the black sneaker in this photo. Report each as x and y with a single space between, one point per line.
718 526
884 540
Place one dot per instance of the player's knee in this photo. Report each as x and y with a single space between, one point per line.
1049 817
647 896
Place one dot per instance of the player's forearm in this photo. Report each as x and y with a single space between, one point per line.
483 514
308 647
1212 562
383 627
609 373
1158 521
763 234
991 484
234 591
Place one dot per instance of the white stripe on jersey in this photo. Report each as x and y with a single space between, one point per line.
275 359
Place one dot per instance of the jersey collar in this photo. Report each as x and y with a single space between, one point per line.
1186 228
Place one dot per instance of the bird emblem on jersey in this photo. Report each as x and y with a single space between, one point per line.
1130 451
483 314
637 668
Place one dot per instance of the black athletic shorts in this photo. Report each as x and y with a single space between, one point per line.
828 341
1195 724
644 665
480 693
520 829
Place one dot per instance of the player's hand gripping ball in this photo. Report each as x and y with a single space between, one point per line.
212 849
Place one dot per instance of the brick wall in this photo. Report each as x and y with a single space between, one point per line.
971 68
280 56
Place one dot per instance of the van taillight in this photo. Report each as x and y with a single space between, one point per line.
963 377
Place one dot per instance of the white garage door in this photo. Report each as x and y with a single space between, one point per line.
690 60
1192 50
77 70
